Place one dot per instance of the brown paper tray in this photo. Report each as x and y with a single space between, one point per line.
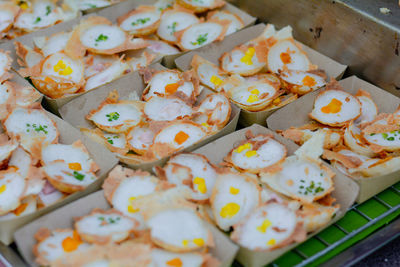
296 114
75 111
224 249
99 154
345 192
213 52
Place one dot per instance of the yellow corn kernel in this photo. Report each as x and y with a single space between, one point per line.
264 226
216 80
131 209
233 190
185 242
201 184
276 101
3 188
199 242
243 147
251 153
229 210
247 58
23 6
205 124
252 98
67 71
255 92
59 66
271 242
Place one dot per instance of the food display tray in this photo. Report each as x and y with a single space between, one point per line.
355 33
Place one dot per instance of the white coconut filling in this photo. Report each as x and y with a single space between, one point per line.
368 110
162 48
89 4
29 206
235 198
234 25
55 43
303 79
98 263
6 18
266 155
141 138
116 140
12 186
200 3
286 53
22 160
180 135
31 123
103 37
140 21
49 198
61 172
30 22
166 109
219 106
3 63
241 62
388 139
129 190
100 224
52 249
164 80
203 174
67 153
181 228
209 76
172 22
253 93
303 179
5 93
201 34
116 70
117 114
268 226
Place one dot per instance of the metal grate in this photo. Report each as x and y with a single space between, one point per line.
360 221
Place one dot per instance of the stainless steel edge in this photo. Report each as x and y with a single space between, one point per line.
8 257
353 32
367 246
